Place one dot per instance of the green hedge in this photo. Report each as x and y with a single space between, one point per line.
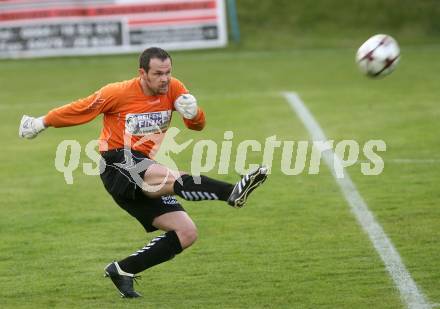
287 23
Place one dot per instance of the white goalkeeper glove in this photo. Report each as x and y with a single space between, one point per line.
186 105
30 127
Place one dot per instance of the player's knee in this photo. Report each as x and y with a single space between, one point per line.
187 236
158 181
158 188
152 194
156 193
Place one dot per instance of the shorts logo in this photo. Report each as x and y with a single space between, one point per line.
169 200
147 123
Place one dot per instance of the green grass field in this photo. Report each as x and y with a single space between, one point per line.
295 245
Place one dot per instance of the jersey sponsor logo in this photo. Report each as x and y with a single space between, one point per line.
147 123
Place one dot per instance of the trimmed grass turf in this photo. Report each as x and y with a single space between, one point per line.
296 245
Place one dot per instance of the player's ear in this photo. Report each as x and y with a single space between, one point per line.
142 72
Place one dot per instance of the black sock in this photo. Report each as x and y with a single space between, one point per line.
158 250
206 189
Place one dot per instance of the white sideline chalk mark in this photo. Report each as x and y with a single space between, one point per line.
408 289
403 161
238 95
414 161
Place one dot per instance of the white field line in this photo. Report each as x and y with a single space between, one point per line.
236 95
410 293
404 161
413 161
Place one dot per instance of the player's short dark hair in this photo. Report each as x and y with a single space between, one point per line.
150 53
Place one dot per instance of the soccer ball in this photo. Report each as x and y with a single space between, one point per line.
378 56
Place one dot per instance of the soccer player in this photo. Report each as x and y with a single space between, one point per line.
134 111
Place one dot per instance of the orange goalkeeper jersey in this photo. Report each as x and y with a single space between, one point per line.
131 118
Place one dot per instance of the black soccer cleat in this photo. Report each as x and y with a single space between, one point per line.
122 280
246 185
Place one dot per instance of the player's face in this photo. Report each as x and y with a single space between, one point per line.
157 79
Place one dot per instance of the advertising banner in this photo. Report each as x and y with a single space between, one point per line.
30 28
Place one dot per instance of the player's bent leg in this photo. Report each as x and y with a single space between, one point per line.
179 222
160 249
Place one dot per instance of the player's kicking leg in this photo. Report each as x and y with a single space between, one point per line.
199 188
204 188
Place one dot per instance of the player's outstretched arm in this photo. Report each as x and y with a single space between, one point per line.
74 113
193 116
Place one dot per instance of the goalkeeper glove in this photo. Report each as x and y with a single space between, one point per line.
30 127
186 105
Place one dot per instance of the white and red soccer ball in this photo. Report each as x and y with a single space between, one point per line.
378 56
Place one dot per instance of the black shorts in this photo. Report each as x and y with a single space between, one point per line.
123 186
